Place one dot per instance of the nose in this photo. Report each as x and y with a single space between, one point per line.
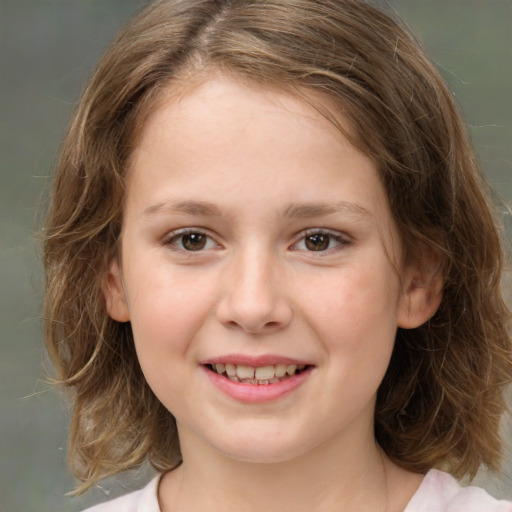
254 295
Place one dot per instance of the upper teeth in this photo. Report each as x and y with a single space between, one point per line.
259 373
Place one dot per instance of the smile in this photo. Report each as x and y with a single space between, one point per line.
256 380
257 375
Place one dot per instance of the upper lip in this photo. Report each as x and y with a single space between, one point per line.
254 361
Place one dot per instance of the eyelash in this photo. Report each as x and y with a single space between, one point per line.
173 240
336 236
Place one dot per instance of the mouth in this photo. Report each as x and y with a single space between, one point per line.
257 375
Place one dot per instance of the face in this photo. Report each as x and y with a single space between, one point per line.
258 271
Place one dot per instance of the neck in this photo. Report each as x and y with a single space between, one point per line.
334 476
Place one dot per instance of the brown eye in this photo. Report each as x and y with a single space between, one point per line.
189 240
193 241
318 242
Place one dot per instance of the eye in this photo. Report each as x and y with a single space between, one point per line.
320 240
190 240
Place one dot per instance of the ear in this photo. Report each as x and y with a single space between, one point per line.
113 291
422 290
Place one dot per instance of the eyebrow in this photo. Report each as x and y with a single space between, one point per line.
197 208
308 210
291 210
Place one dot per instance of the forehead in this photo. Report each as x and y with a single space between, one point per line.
224 133
192 86
210 107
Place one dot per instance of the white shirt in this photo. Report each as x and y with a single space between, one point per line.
438 492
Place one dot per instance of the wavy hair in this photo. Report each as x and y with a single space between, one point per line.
442 398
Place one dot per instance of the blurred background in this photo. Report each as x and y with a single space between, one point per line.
47 50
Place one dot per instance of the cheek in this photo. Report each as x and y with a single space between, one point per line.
354 312
167 309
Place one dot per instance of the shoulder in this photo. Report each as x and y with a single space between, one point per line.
440 492
143 500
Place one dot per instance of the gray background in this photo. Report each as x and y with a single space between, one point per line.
47 50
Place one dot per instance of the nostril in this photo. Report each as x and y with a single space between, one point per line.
231 324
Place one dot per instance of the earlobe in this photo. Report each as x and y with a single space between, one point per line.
114 293
422 293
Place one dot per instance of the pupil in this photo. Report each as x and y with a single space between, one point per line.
317 242
193 241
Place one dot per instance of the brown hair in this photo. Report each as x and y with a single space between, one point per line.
442 398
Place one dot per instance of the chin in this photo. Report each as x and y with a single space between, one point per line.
256 456
261 448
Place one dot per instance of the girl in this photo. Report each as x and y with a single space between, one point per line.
272 267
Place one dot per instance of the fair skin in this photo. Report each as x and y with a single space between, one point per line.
256 236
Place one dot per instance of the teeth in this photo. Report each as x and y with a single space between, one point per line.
269 374
231 370
291 369
264 372
244 372
280 370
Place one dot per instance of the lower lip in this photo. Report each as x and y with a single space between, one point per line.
257 393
